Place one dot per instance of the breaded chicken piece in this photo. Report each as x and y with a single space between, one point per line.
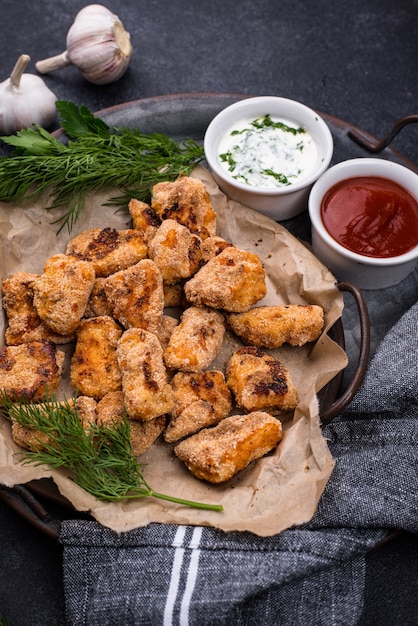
165 330
196 341
212 246
175 251
144 219
136 296
110 411
173 295
187 201
98 304
61 293
272 326
260 382
200 400
217 454
109 250
24 323
147 393
30 370
94 369
86 410
35 440
233 280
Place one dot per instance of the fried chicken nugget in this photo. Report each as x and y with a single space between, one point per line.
30 370
147 393
187 201
260 382
175 251
233 280
173 295
144 219
272 326
136 295
35 440
94 369
24 323
98 304
165 330
212 246
196 341
201 399
61 293
110 411
108 249
219 453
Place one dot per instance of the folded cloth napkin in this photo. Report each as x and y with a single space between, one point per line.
311 575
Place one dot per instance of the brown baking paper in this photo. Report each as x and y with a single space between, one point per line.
273 493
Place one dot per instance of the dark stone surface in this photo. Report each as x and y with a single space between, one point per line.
353 60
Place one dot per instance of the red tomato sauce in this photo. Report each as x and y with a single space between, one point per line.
371 216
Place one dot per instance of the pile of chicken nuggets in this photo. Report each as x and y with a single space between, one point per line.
108 295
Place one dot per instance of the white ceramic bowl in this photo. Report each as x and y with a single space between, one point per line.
364 271
278 203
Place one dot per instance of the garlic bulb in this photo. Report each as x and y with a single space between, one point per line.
25 100
97 44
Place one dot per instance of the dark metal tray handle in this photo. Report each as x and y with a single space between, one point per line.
363 358
26 505
375 145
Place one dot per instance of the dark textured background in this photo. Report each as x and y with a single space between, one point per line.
354 60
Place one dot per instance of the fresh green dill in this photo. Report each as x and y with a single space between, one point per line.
282 178
96 158
267 122
227 157
98 458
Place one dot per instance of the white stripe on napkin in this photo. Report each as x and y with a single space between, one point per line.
176 572
191 576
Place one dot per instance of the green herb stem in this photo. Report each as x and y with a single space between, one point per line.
95 159
99 458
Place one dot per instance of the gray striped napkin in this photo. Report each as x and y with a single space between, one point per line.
311 575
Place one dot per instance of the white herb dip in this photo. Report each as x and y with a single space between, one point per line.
267 152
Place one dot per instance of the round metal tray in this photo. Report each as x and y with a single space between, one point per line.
188 115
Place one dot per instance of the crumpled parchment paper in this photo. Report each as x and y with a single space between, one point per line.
272 494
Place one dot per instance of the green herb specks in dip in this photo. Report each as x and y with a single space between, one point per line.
267 152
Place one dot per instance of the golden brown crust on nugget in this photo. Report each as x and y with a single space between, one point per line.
212 246
175 251
110 411
272 326
34 440
187 201
233 280
217 454
94 369
98 304
61 293
108 249
30 370
201 399
147 394
144 219
196 341
24 323
136 296
260 382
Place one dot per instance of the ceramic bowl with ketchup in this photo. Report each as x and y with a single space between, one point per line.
364 217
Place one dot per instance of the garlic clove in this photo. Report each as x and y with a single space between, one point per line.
97 44
25 100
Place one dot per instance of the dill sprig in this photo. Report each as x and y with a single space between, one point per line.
95 159
99 458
